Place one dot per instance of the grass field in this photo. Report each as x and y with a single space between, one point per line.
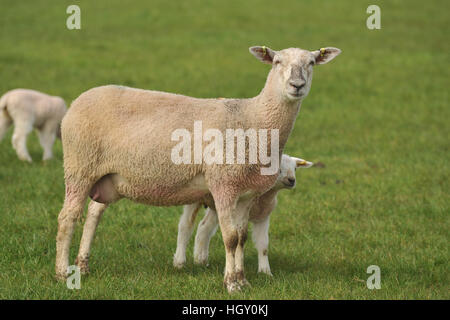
377 117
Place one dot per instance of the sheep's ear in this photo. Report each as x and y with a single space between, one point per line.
324 55
300 163
263 53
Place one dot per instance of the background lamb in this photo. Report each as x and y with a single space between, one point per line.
117 143
30 109
259 216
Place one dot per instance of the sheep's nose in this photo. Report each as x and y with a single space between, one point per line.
297 85
291 181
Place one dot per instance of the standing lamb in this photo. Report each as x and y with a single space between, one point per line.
118 143
259 216
30 109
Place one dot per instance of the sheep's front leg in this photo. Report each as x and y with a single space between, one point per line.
260 237
185 227
233 222
241 218
47 138
205 231
95 212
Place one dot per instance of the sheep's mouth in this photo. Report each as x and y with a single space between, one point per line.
296 95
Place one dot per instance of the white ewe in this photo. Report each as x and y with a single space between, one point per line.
259 216
118 143
30 109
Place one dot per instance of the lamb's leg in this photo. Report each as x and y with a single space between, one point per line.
73 207
5 123
260 235
233 220
95 212
185 228
205 231
47 137
22 128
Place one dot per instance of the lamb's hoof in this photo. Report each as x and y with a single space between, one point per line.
266 272
178 264
83 264
26 159
201 261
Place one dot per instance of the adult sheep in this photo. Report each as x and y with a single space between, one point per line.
30 109
117 143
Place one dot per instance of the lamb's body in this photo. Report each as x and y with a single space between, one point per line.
117 143
259 215
30 109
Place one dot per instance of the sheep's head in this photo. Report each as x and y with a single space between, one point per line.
293 68
286 178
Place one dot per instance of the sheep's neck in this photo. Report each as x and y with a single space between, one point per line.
274 111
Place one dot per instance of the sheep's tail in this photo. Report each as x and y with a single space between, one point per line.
3 102
3 105
5 118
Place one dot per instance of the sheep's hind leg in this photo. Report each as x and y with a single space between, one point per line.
206 230
5 123
185 228
19 139
95 212
76 196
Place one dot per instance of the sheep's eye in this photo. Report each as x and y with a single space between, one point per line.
277 62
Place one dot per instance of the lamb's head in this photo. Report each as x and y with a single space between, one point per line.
292 68
286 178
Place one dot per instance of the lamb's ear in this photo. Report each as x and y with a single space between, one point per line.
263 53
324 55
300 163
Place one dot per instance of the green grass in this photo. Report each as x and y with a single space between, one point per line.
377 117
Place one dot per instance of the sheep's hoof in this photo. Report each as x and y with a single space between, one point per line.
83 264
233 286
84 270
244 283
61 277
235 282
